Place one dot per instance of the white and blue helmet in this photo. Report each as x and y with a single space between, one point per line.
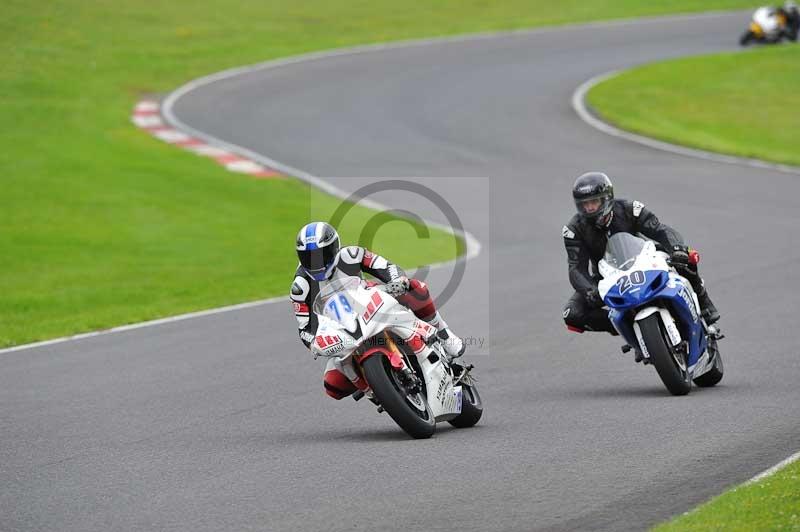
318 249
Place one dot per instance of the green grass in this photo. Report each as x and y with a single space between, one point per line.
744 104
103 225
771 504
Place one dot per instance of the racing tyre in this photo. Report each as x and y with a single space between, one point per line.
714 375
670 365
410 411
746 37
471 407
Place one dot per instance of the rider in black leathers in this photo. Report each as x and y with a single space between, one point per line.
600 216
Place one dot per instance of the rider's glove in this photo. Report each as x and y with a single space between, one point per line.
680 255
398 287
593 299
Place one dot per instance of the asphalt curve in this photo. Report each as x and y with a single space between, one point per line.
220 422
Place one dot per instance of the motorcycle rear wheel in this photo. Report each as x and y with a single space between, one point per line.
674 377
714 375
411 413
471 407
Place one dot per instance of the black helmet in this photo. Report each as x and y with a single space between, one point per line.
587 190
317 249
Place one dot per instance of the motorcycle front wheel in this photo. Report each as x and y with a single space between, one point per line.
409 410
670 365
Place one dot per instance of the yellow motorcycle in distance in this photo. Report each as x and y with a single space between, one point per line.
770 25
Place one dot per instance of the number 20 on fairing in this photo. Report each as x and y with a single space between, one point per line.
625 283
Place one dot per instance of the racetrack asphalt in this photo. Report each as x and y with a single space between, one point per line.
220 422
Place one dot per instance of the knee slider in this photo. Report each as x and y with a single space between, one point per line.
572 317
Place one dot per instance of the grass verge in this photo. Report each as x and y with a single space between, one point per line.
771 504
743 104
103 225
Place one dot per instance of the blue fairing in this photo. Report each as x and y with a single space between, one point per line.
639 289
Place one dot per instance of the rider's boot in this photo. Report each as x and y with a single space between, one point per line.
707 307
453 345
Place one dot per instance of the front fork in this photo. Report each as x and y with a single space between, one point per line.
669 324
388 348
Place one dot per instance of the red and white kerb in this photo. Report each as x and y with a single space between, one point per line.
147 116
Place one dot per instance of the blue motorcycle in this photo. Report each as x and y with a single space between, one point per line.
656 310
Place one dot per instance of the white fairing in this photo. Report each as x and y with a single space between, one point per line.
443 397
768 20
345 305
649 259
702 365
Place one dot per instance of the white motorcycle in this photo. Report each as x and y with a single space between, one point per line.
767 26
400 357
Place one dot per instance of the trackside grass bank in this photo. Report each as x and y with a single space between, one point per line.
745 104
103 225
771 504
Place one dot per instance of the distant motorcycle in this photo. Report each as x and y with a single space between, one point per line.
414 381
657 312
768 26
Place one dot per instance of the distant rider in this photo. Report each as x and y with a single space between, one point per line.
600 216
322 261
791 16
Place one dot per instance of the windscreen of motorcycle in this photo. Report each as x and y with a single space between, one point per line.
622 250
336 300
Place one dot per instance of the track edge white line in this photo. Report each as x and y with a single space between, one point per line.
584 112
142 324
774 469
